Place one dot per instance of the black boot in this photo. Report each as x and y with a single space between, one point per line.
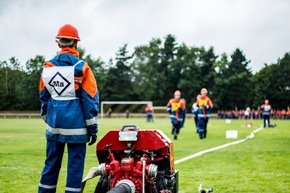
173 130
175 136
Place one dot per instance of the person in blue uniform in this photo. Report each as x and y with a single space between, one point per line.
69 106
176 109
205 105
266 111
194 110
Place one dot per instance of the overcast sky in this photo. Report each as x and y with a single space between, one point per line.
260 28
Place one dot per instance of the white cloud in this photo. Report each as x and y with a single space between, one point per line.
259 28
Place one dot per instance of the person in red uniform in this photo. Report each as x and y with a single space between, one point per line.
176 109
205 105
69 106
266 109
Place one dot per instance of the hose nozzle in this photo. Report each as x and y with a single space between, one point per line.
204 190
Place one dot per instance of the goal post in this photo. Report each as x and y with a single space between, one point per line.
160 109
119 103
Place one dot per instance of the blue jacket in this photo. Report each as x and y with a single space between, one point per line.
69 101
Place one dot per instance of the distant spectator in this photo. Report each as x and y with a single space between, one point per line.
127 114
109 113
247 113
266 112
149 113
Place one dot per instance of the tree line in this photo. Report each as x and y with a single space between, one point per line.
153 71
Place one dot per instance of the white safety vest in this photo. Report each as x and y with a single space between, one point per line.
59 81
267 108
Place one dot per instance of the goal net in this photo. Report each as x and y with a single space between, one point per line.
118 107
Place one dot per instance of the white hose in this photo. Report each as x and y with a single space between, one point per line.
143 160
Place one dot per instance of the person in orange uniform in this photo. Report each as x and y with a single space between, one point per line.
69 106
149 113
288 113
205 105
176 109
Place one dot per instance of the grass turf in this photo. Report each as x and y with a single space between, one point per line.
261 164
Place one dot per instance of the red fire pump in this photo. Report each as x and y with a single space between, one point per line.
135 161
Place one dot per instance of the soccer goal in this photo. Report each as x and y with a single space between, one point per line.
122 106
160 109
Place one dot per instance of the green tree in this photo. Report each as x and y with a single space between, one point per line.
145 76
118 85
273 83
207 61
97 66
220 87
234 82
155 71
4 75
190 73
169 69
12 98
280 83
261 85
31 84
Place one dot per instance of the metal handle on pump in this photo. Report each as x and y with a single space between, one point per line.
129 127
128 133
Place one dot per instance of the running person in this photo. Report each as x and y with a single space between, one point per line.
176 109
204 107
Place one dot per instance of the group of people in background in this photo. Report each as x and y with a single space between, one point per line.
253 114
264 112
201 108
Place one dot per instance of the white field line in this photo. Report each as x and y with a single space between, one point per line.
218 147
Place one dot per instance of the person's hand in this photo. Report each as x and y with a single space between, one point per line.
92 139
92 134
180 109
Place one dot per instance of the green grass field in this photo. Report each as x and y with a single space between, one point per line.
261 164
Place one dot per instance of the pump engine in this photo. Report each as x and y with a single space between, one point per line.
135 161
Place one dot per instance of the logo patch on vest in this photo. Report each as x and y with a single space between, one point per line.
59 83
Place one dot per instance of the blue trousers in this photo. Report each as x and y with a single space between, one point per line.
196 123
202 126
176 124
75 166
266 119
